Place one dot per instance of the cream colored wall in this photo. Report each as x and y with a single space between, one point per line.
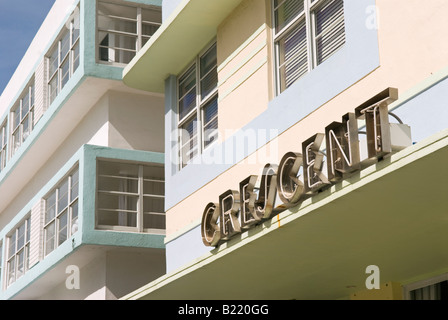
411 49
243 70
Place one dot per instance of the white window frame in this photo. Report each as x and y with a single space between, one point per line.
141 195
12 276
72 57
308 15
72 221
198 111
140 38
28 93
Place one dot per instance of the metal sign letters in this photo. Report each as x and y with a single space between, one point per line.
240 210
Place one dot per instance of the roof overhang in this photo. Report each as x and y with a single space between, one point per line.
189 28
393 214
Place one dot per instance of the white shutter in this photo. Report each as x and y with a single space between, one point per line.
329 28
40 90
37 213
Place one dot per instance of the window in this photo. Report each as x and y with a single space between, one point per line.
61 212
198 106
3 146
435 288
306 33
123 30
130 197
63 58
18 252
22 118
437 291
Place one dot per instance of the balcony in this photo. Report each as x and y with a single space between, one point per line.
104 201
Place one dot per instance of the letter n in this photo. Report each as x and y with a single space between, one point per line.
342 145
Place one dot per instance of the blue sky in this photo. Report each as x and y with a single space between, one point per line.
19 22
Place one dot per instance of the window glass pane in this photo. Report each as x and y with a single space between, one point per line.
63 196
116 10
26 128
12 245
118 169
210 114
50 238
209 73
25 104
21 236
28 229
65 45
53 88
65 69
187 92
150 15
293 56
149 29
113 218
20 264
117 202
118 184
330 30
74 185
50 210
122 48
75 57
153 187
208 61
189 140
11 271
17 118
17 141
151 204
63 229
32 95
154 221
286 11
74 224
122 25
53 61
75 29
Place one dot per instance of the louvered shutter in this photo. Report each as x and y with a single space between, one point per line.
40 89
329 29
35 254
294 51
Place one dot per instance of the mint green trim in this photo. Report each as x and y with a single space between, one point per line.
105 237
89 48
